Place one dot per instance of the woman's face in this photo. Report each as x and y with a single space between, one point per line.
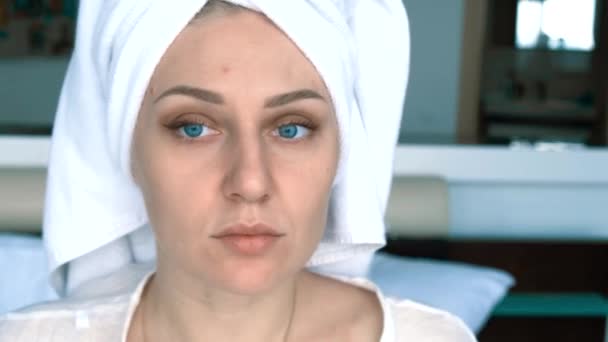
235 151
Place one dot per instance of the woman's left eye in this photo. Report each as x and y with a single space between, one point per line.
194 130
292 131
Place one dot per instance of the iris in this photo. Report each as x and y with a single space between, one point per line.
288 131
291 131
193 130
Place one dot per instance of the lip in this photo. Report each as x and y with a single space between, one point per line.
244 229
248 240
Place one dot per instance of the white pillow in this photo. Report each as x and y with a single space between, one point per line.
23 272
468 291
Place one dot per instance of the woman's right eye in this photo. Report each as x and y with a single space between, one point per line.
193 130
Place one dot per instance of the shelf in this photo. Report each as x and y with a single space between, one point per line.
583 304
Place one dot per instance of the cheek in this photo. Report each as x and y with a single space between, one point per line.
179 206
309 218
305 189
176 194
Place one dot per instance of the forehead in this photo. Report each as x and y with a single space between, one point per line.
243 47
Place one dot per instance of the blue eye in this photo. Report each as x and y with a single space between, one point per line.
292 131
193 130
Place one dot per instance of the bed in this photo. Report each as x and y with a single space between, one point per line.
467 290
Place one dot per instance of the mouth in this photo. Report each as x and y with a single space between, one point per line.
245 230
248 240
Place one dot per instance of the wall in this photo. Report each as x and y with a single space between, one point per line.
29 89
432 100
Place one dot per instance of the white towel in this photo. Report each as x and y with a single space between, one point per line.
95 220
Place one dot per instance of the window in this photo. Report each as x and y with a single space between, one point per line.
555 24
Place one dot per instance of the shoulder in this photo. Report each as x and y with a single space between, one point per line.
66 320
355 314
411 321
418 322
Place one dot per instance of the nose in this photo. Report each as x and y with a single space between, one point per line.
248 178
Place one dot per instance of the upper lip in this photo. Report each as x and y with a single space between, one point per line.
247 229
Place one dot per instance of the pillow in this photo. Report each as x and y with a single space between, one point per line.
468 291
23 272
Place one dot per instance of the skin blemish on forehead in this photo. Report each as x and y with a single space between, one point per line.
225 69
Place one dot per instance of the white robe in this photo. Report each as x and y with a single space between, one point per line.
103 312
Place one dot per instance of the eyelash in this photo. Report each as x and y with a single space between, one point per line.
179 123
302 122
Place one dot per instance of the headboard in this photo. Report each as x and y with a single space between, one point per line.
418 205
21 199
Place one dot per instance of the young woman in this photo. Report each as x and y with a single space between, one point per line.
237 146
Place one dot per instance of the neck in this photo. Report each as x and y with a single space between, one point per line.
181 308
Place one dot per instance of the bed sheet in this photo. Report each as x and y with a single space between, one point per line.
23 272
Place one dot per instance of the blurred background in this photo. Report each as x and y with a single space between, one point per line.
498 208
482 72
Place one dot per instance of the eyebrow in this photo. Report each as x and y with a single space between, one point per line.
283 99
215 98
198 93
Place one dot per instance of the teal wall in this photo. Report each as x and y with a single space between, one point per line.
431 106
29 89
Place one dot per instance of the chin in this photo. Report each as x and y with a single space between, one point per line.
253 277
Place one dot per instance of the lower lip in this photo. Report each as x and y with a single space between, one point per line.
250 245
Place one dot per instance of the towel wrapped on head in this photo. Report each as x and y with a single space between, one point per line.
95 220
